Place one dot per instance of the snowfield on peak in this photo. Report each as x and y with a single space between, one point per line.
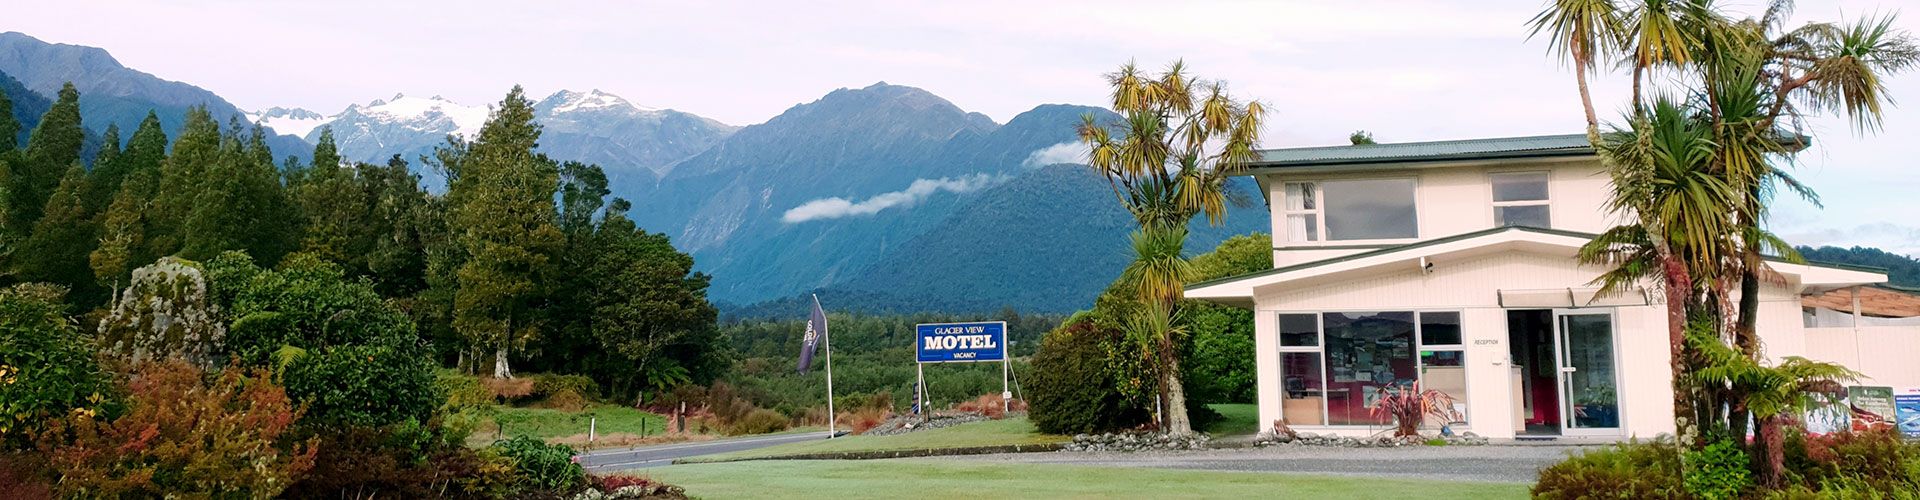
425 114
296 122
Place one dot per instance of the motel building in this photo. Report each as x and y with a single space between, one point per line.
1452 264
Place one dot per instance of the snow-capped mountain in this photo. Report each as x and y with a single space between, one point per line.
634 144
295 121
624 138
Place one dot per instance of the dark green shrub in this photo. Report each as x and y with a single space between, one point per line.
359 462
1627 471
542 468
1718 472
759 421
1071 390
546 385
364 385
47 367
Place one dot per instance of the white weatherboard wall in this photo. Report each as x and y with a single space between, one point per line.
1452 200
1887 355
1471 286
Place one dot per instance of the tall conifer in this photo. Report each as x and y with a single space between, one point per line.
54 145
504 221
56 251
9 126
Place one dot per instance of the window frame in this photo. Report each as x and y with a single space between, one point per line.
1546 201
1419 362
1319 212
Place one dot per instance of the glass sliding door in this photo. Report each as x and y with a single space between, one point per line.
1589 381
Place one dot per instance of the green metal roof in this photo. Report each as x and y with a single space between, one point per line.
1484 232
1409 152
1387 250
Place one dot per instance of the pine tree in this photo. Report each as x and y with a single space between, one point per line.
182 174
146 150
107 172
9 126
54 145
123 229
56 251
242 205
397 261
503 219
333 206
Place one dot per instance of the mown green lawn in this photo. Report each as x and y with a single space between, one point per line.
1238 419
989 433
939 478
548 423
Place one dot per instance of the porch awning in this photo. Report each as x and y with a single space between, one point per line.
1571 298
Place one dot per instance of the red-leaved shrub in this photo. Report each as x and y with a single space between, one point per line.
991 406
507 390
182 436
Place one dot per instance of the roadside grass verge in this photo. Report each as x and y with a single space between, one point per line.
1011 431
935 478
614 421
1237 419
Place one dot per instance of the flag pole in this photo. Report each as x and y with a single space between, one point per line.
826 342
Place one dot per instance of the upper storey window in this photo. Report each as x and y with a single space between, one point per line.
1351 210
1520 199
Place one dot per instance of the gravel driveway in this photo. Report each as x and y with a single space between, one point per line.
1494 463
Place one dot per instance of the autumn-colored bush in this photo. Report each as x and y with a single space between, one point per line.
622 486
507 390
864 419
21 478
991 406
183 435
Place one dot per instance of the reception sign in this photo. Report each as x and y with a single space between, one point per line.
961 342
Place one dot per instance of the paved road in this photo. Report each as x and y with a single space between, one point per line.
1516 464
658 455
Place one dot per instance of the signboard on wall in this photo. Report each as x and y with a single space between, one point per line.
1906 412
1872 407
961 342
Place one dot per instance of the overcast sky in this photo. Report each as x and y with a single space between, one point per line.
1405 70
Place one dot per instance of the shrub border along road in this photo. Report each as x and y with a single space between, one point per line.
883 454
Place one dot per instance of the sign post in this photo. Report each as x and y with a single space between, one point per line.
962 343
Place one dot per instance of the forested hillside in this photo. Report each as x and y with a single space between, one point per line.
1902 270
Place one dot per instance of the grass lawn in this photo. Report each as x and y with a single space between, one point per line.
1240 419
548 423
989 433
924 478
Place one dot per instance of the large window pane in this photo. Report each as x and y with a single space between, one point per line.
1365 352
1374 209
1446 371
1301 397
1299 330
1522 215
1439 328
1521 186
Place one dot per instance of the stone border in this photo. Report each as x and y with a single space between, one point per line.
883 454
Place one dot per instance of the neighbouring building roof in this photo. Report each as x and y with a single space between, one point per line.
1880 300
1407 152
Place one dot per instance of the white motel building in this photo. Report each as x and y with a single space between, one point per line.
1452 264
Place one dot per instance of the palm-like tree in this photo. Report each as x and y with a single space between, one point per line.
1584 33
1168 160
1156 328
1680 226
1179 140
